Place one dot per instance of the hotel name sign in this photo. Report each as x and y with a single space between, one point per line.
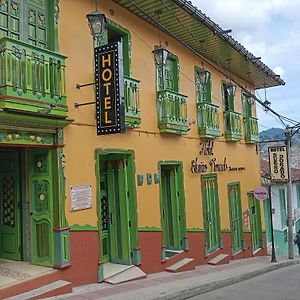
109 82
214 165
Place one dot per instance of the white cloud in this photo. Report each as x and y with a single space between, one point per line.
278 70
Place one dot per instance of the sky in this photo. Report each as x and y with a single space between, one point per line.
269 29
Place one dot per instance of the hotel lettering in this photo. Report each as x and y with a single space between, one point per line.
109 89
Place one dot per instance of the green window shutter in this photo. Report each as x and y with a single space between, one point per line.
10 13
26 20
282 207
228 96
247 106
171 74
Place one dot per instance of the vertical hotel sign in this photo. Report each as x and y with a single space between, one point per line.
278 164
109 81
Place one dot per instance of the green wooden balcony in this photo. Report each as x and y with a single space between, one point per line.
132 102
31 79
251 130
172 112
232 126
208 120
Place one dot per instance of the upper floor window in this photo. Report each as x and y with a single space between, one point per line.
207 113
232 119
247 104
251 133
171 105
26 20
203 85
228 96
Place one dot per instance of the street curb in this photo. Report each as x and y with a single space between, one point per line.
207 287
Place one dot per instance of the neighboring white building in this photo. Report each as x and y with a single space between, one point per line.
279 205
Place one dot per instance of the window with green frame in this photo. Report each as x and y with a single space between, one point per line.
171 105
247 105
203 85
167 75
282 201
31 21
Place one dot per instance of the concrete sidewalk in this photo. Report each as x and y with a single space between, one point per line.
181 285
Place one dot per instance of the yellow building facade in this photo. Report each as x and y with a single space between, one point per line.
178 182
213 172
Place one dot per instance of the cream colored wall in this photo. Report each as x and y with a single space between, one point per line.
149 145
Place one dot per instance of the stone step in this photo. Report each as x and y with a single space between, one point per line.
110 269
171 253
130 274
52 289
186 264
220 259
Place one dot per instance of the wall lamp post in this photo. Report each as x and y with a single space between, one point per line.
160 55
97 22
267 182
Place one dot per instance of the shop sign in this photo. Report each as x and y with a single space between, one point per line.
109 81
261 193
278 164
81 197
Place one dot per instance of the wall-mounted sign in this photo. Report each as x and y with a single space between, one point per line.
278 164
246 219
207 147
213 166
81 197
261 193
109 82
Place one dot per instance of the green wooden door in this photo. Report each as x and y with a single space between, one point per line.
210 199
119 227
172 207
170 211
10 204
41 207
234 198
255 222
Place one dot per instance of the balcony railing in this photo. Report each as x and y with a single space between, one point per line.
208 120
31 79
132 102
251 130
232 126
172 112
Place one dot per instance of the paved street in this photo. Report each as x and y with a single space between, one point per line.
277 285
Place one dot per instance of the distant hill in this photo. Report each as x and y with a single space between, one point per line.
276 134
271 134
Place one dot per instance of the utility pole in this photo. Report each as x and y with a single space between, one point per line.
290 225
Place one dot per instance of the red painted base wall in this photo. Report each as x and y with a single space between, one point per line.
84 249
